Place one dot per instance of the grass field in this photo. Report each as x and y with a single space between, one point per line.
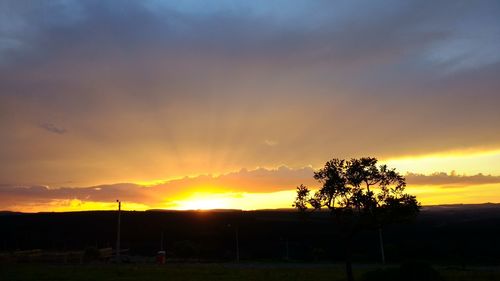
206 272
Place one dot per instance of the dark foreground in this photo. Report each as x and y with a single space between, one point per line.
207 272
462 236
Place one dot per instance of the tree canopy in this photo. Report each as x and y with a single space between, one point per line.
361 188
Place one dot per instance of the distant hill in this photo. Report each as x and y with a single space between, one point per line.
9 213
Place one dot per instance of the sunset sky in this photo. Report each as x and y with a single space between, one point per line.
232 104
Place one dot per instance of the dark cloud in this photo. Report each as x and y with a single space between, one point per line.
53 128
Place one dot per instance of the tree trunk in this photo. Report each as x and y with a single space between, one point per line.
348 258
348 270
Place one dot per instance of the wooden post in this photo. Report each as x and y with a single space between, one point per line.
381 240
118 258
237 245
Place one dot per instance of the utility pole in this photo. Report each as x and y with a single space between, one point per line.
161 241
287 250
118 258
381 244
237 240
237 245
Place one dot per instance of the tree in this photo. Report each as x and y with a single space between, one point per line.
359 195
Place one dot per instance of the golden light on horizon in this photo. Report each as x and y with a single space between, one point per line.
468 162
76 205
275 188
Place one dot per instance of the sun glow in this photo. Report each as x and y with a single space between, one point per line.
236 200
204 201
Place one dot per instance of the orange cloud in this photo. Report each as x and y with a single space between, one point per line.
246 189
161 195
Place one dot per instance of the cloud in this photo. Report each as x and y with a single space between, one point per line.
53 128
163 90
235 184
270 142
250 181
444 179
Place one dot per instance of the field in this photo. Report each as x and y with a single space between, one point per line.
273 245
207 272
447 235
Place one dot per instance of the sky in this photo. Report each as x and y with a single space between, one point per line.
232 104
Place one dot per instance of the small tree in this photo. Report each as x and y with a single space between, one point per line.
359 195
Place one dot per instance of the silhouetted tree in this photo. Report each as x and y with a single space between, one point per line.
359 194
